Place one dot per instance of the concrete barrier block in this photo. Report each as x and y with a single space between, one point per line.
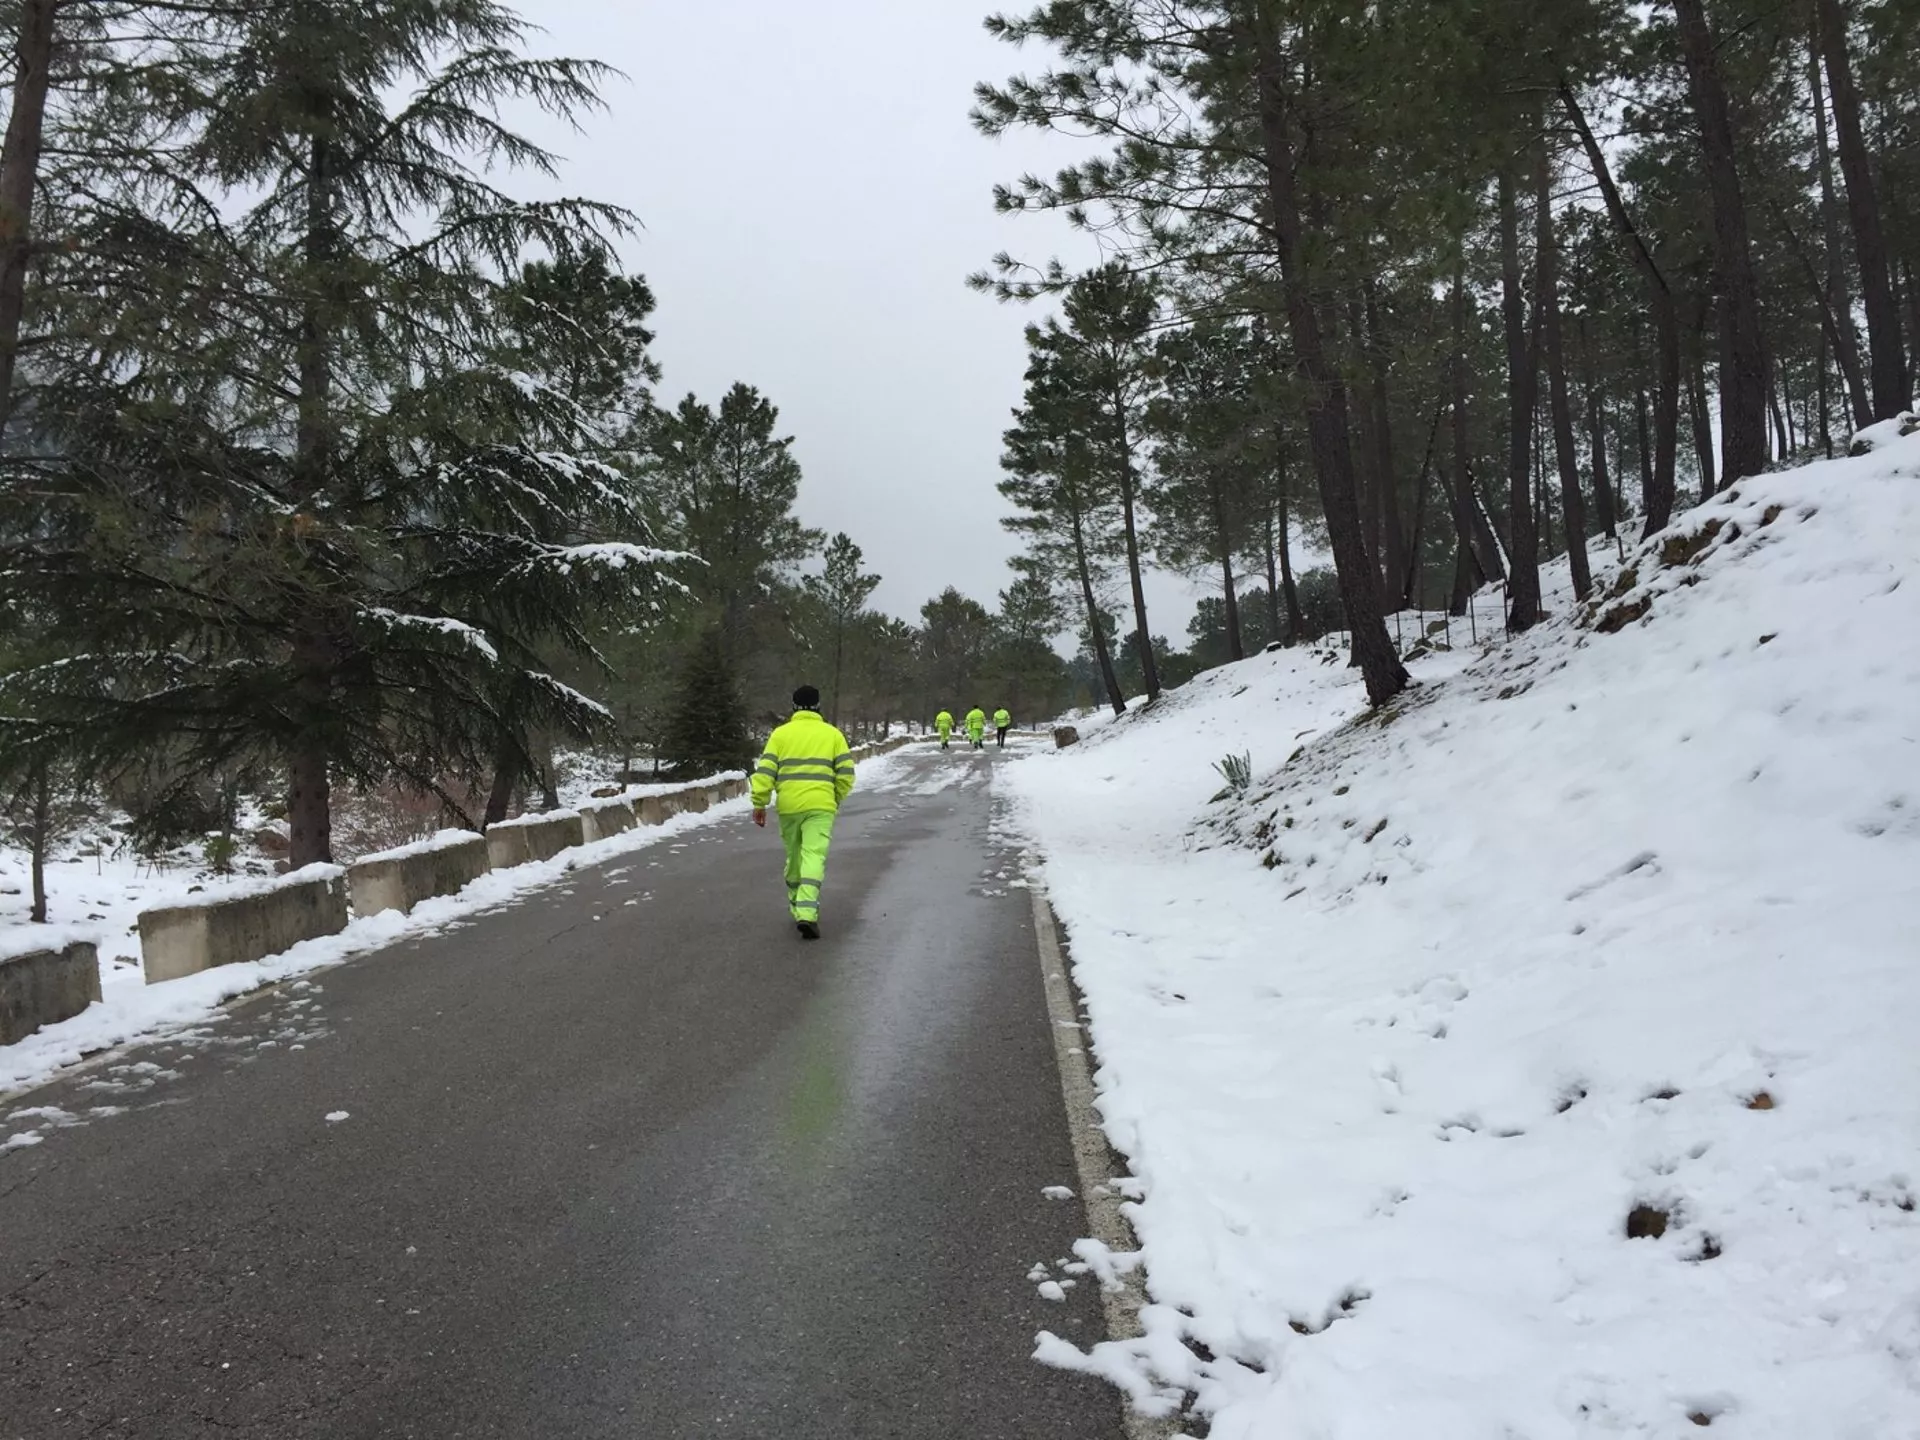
695 801
563 832
611 817
534 837
232 929
653 810
44 987
400 879
507 846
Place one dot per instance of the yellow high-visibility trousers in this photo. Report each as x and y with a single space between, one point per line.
806 836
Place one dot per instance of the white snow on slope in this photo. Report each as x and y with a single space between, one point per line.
1397 1043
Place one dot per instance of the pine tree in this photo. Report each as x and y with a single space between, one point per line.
1064 507
1213 451
1213 184
1029 675
294 499
721 485
956 637
707 731
840 591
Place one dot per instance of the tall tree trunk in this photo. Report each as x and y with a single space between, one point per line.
40 838
1838 308
309 807
1824 400
1273 584
1225 549
1644 434
1743 368
1367 483
1560 404
1597 447
1523 538
1273 580
1296 621
315 652
1542 502
1888 361
1697 410
1326 402
1095 629
1236 644
507 769
549 782
19 173
1911 301
1143 637
1658 492
1393 538
1832 336
1463 586
1410 579
1469 518
1782 434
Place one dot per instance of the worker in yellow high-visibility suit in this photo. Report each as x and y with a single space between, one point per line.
943 723
977 727
807 770
1002 722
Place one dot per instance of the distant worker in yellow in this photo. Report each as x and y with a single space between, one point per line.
807 770
943 722
1002 722
977 728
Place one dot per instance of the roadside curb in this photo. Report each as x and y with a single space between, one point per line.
1094 1159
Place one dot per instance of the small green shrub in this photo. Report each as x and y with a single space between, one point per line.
1237 771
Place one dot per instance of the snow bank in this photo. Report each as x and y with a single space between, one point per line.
244 887
29 939
1609 931
1883 433
439 840
533 817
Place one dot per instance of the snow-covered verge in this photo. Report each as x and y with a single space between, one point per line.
98 897
130 1010
1537 1057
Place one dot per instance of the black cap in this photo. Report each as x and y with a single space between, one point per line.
806 698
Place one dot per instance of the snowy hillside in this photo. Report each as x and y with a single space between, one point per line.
1536 1058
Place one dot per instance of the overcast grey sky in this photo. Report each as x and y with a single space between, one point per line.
814 198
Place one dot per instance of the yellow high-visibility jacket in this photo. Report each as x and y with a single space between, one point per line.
808 763
976 722
1001 719
943 722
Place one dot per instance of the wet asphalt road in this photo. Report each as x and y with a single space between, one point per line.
626 1158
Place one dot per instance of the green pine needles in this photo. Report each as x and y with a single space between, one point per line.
309 465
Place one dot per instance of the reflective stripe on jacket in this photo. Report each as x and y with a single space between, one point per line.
1001 719
808 763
